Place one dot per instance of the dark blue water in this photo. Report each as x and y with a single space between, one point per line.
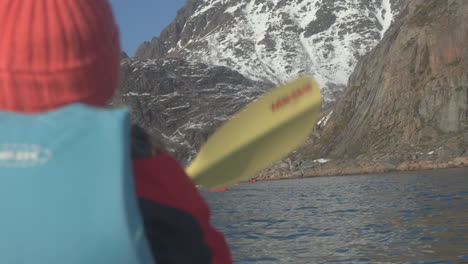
419 217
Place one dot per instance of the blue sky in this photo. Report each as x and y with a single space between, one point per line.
141 20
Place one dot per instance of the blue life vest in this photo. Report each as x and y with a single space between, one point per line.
66 189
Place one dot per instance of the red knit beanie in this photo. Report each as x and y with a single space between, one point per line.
57 52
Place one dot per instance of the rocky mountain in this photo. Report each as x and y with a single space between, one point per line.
218 55
404 101
406 105
181 101
412 89
274 40
123 55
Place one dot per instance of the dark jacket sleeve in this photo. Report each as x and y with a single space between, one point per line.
175 216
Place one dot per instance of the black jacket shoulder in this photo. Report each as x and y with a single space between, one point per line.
144 145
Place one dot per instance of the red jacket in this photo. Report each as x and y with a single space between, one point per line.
176 218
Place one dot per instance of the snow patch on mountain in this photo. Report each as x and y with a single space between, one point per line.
385 16
275 41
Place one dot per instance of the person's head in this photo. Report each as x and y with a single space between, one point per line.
57 52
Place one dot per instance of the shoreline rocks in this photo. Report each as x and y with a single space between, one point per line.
356 167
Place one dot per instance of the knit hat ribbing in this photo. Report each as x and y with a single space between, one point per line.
57 52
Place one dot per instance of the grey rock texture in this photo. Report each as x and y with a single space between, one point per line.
182 102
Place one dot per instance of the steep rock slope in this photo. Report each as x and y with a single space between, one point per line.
180 101
276 40
407 99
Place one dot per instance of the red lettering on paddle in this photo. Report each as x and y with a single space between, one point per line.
294 95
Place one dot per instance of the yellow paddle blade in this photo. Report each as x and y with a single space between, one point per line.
258 135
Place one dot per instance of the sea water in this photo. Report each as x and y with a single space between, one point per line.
414 217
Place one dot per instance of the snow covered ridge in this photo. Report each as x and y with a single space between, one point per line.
275 40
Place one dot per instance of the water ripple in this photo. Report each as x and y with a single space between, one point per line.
419 217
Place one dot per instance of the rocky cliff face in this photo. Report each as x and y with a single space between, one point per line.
180 101
406 104
275 40
217 55
407 98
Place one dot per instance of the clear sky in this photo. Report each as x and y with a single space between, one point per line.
141 20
